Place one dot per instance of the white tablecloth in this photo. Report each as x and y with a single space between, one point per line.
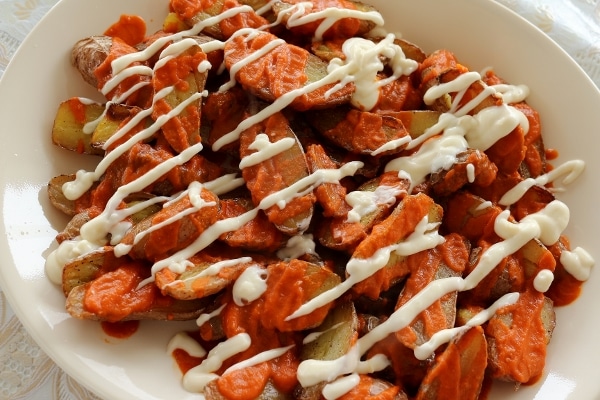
27 373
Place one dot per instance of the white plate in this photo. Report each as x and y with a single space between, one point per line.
481 33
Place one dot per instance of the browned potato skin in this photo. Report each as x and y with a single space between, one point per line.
109 124
73 227
86 268
88 54
56 196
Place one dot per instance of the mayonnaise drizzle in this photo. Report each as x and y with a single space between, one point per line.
425 350
456 131
301 14
265 150
250 285
578 263
186 343
364 202
198 377
564 174
311 337
259 358
364 60
205 317
297 246
299 188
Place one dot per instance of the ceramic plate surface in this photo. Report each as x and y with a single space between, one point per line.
482 34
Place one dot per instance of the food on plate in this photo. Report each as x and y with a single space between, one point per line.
344 215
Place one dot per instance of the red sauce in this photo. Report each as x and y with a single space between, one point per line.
189 8
130 28
121 329
565 288
77 109
184 361
239 21
551 154
364 391
103 73
521 343
280 71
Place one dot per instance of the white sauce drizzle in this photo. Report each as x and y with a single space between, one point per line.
205 317
364 60
297 246
300 14
259 358
470 173
340 386
365 202
543 280
250 285
512 93
456 131
184 342
265 150
211 234
423 238
197 204
564 174
311 337
578 263
198 377
425 350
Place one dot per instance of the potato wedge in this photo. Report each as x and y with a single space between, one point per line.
344 28
427 267
282 170
344 233
259 234
165 309
331 340
361 132
269 392
457 372
471 166
88 54
110 122
70 123
173 228
57 197
221 30
514 352
201 278
184 74
86 268
280 69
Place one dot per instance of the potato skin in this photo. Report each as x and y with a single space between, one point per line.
88 54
